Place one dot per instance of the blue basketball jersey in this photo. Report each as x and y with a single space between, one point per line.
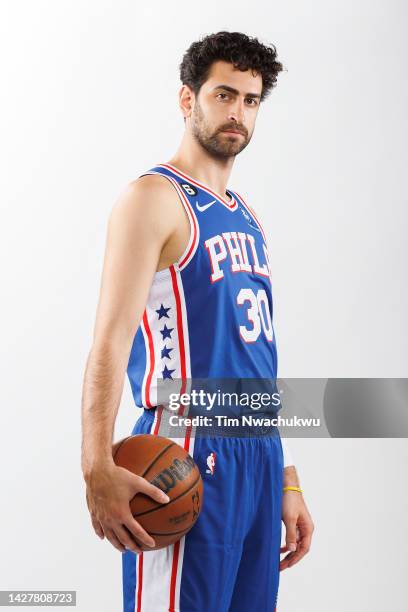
210 313
209 316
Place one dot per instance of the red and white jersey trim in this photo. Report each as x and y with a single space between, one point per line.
194 239
169 331
158 572
232 205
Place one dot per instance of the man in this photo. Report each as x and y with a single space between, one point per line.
186 293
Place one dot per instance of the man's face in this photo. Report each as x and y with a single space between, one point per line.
225 110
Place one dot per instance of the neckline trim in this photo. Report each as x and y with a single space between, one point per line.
233 205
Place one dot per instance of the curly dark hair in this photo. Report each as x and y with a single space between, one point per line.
244 52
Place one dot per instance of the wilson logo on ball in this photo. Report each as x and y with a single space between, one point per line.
178 471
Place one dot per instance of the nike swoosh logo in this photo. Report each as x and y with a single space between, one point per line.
205 206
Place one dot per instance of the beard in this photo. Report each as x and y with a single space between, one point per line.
216 143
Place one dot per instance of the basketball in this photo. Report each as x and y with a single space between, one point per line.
165 464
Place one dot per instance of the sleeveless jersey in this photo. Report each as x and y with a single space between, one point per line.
210 313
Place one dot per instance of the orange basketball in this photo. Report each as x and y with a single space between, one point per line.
165 464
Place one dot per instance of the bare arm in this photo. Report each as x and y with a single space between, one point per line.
141 222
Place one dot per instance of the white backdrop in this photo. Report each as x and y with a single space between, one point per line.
89 101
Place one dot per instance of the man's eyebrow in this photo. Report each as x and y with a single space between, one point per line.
236 92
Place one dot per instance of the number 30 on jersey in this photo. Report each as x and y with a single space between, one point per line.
258 314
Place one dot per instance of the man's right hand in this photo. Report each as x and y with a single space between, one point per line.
109 489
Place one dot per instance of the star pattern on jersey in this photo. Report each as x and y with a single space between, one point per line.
166 332
167 373
162 312
165 352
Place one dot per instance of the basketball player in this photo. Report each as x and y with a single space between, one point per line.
186 292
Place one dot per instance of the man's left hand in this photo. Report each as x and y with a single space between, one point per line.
299 528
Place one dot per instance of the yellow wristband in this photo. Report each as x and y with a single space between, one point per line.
298 489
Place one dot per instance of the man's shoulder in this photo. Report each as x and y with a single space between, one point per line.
148 198
151 185
151 191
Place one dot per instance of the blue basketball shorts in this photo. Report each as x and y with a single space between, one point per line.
229 560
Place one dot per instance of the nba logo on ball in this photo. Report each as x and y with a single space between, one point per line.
210 464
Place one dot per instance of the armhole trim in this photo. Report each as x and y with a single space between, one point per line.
194 239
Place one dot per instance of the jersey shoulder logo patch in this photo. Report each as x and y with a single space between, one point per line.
189 189
249 220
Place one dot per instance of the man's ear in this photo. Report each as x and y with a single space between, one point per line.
186 101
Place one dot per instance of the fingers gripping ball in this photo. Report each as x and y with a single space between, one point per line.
168 466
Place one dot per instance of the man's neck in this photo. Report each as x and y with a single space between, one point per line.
213 172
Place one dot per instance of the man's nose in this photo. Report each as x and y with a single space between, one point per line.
237 113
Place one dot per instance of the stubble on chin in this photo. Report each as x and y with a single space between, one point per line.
219 145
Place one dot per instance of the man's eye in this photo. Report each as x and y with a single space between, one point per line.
222 96
252 101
